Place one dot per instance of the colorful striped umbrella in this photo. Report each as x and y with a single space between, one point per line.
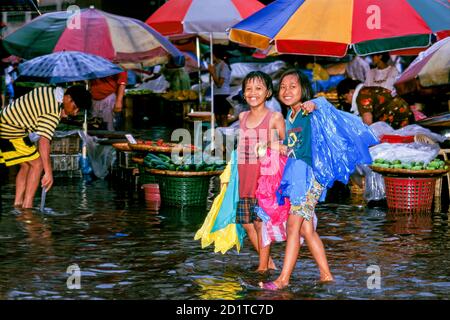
329 27
67 66
123 40
430 68
201 16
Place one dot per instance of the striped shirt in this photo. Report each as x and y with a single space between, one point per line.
38 111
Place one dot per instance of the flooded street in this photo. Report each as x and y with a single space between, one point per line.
125 251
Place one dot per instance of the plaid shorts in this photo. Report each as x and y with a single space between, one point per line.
306 208
246 211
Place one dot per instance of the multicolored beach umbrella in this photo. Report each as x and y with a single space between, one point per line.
210 18
430 68
330 27
122 40
201 16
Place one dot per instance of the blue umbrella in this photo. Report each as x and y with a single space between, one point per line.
67 66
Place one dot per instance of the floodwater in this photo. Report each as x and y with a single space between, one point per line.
125 251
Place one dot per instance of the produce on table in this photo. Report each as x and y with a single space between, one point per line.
435 164
187 163
180 95
135 92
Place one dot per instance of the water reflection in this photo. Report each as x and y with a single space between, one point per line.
127 251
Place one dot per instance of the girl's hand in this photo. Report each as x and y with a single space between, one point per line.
283 150
260 149
308 107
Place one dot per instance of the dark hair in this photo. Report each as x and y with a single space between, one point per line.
384 56
264 77
80 96
346 85
305 84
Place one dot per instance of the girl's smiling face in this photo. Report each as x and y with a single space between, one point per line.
290 90
256 92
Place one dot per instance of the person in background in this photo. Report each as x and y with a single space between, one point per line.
221 75
10 77
383 75
31 119
177 76
375 104
357 69
107 98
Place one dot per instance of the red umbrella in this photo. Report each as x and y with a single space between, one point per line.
202 17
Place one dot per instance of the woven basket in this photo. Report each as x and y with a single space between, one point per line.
121 146
160 149
145 176
408 173
183 189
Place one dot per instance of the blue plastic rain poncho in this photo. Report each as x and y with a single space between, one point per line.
339 141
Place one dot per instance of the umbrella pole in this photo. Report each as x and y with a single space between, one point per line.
197 47
211 81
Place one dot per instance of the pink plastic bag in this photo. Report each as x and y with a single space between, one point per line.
272 167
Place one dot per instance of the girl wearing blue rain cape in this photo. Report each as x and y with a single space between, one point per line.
323 145
338 142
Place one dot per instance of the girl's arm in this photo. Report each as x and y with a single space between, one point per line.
278 133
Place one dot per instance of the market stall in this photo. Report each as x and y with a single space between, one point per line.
182 174
144 108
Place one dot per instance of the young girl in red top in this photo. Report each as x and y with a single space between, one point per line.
259 125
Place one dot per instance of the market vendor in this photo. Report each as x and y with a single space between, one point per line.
32 119
107 97
375 104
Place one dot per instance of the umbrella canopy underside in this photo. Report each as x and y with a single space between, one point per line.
119 39
328 28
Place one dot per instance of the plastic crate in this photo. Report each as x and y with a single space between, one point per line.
392 138
413 195
65 162
65 145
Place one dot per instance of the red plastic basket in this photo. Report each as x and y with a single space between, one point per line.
409 194
392 138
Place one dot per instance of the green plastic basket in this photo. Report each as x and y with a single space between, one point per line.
183 191
145 177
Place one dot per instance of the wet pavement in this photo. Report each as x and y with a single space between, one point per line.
126 251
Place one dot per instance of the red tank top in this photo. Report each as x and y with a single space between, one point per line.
248 163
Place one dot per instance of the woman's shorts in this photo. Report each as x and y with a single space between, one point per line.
307 207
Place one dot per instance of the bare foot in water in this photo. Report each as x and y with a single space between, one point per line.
271 266
326 278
